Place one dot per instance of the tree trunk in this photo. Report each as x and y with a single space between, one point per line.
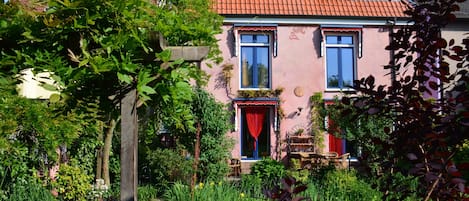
196 155
107 151
99 157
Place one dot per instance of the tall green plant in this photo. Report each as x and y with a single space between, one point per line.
317 114
215 146
341 185
31 190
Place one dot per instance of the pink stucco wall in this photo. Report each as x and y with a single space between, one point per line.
298 65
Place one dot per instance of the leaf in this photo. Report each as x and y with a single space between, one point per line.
433 85
124 78
54 98
451 42
3 24
441 43
164 56
299 189
48 87
370 81
412 156
82 63
147 90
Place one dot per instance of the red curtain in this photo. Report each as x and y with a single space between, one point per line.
255 120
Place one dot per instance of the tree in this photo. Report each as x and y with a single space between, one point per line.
99 50
425 131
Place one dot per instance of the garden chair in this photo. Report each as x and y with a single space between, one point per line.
235 167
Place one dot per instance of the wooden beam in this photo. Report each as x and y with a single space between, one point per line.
129 144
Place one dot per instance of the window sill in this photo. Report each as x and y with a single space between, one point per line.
340 90
254 89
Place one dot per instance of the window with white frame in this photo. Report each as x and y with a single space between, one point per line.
340 60
255 60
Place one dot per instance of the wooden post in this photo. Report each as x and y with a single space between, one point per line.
129 144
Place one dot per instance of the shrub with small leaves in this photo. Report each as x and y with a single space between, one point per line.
72 183
269 171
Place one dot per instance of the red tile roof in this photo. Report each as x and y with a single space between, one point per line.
355 8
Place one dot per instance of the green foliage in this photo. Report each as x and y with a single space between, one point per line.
83 149
251 186
406 187
260 93
207 191
190 22
317 115
31 190
168 166
288 191
147 193
72 183
461 158
97 50
295 171
341 185
463 152
215 146
31 131
269 171
372 128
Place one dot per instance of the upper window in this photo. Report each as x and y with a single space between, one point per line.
255 61
340 61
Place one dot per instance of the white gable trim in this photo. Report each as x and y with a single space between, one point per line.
305 21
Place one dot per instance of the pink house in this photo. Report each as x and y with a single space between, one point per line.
298 48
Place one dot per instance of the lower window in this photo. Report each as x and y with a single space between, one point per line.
255 132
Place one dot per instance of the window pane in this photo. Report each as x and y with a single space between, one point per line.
346 40
262 62
332 55
262 38
255 61
247 60
331 39
347 66
247 38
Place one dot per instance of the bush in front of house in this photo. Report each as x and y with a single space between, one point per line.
341 185
167 166
29 190
269 171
